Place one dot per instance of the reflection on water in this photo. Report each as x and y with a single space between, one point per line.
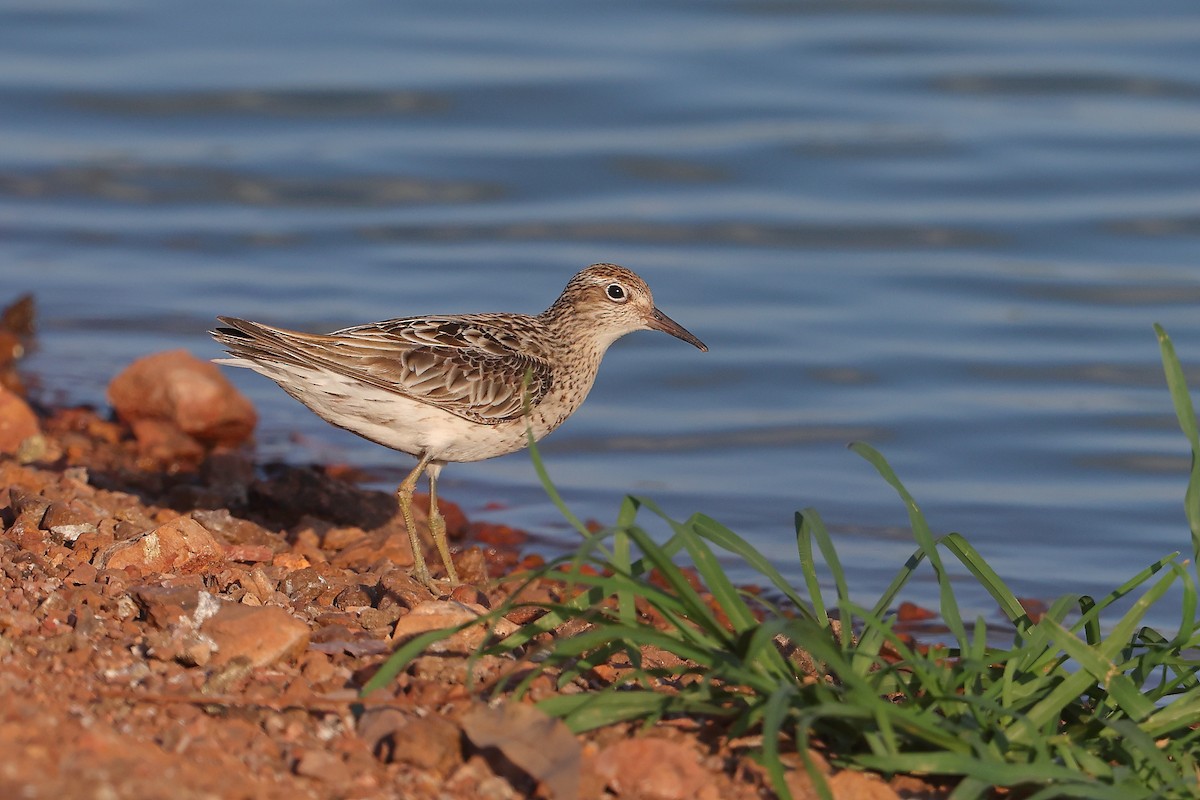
713 441
888 221
712 232
1074 84
300 102
132 182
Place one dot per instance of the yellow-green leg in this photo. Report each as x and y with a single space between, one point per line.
404 494
437 523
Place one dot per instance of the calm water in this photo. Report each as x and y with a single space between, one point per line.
942 227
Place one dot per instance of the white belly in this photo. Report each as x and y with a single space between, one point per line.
400 423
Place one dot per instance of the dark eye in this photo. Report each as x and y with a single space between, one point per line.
617 292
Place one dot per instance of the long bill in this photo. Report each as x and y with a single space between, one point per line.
661 322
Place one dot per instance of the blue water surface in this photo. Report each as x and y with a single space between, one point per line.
944 227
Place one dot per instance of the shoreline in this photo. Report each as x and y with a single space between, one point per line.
179 621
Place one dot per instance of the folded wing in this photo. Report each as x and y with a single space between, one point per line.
464 365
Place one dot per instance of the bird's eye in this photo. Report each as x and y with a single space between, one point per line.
617 292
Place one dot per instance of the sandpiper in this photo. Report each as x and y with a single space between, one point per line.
461 387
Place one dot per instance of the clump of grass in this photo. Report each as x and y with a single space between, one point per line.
1084 702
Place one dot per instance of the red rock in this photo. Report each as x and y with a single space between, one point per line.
497 535
317 667
261 634
654 769
851 785
11 348
472 566
435 614
19 317
26 502
378 546
163 549
452 514
69 521
290 562
18 423
389 733
1034 607
465 593
248 553
178 387
322 766
397 587
170 601
234 532
163 440
911 612
82 575
542 746
440 750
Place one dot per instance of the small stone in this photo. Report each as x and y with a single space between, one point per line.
260 634
178 387
67 522
322 766
374 619
429 743
27 503
17 422
317 667
164 549
82 575
380 546
290 562
234 531
540 745
304 585
353 596
654 769
248 553
163 440
852 785
465 593
435 614
172 600
397 587
472 566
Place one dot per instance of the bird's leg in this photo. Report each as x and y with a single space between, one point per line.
437 523
404 494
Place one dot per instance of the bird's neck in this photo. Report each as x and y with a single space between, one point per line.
576 334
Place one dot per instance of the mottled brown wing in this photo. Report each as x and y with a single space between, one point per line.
468 366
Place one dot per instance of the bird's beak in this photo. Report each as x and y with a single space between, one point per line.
661 322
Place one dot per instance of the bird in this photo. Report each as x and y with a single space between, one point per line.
458 387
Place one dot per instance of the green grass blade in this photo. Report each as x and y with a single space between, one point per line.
871 638
1116 683
622 559
1073 684
924 536
712 574
551 490
816 527
777 709
1185 412
808 566
988 578
729 541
